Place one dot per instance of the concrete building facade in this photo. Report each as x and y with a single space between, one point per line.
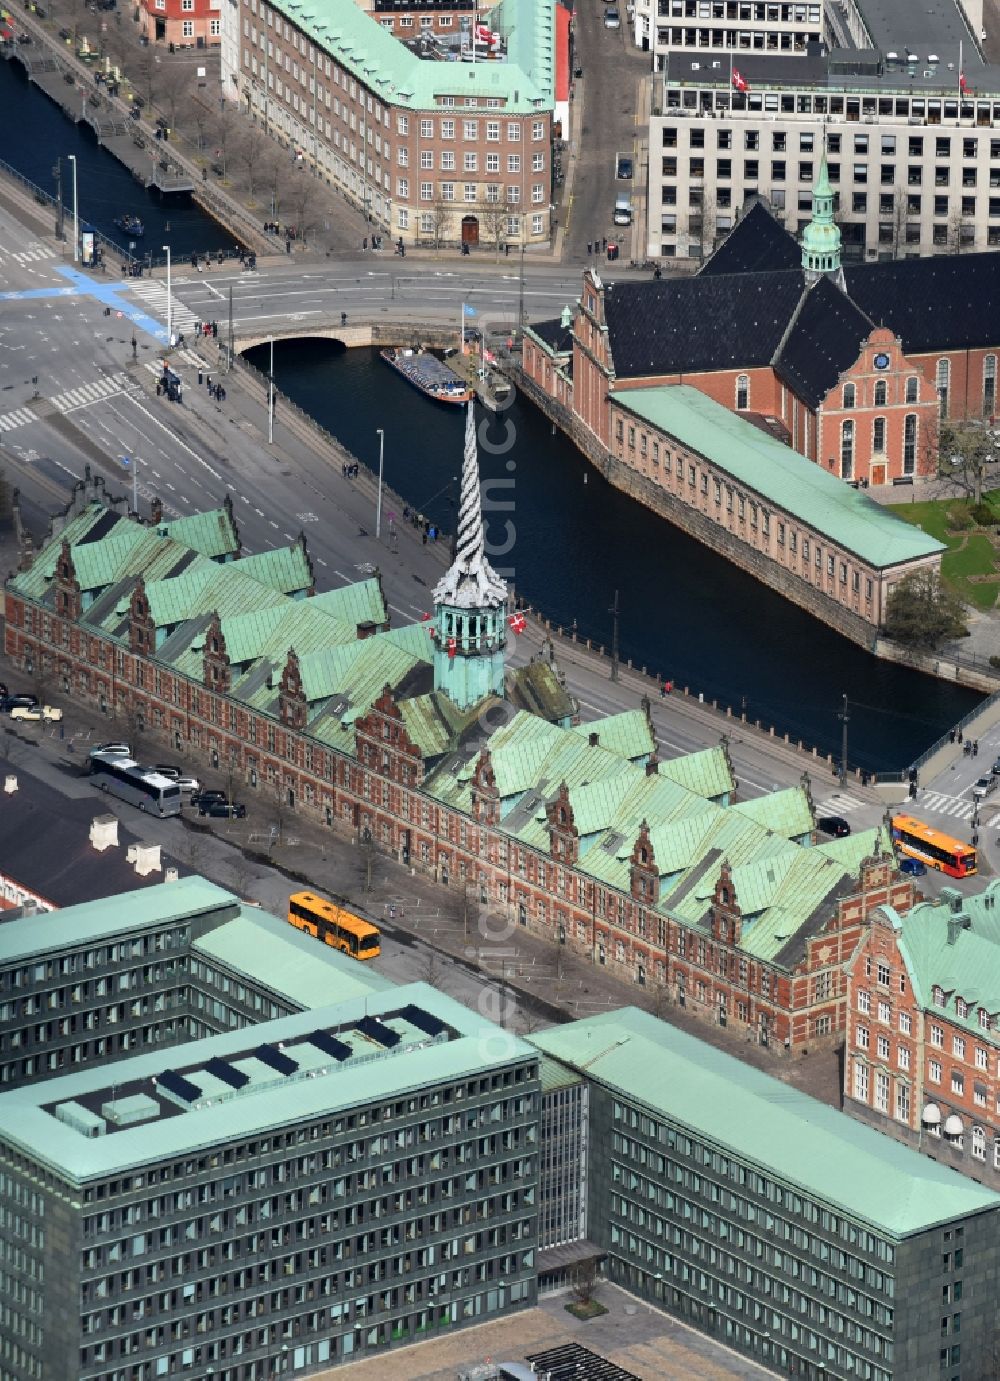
767 1220
286 1192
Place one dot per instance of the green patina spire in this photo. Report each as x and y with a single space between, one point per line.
821 237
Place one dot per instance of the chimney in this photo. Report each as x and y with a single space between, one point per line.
104 832
594 739
29 907
155 512
652 766
145 858
170 874
957 922
953 897
10 783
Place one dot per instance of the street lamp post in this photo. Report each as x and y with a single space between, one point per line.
270 396
76 214
378 505
131 463
170 331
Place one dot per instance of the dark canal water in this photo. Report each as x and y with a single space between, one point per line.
39 133
684 611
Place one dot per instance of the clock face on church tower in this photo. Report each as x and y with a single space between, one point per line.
881 361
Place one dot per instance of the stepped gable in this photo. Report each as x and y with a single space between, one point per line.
757 243
825 340
687 325
946 302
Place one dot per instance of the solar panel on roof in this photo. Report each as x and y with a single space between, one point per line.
375 1031
329 1045
173 1083
226 1074
276 1059
422 1020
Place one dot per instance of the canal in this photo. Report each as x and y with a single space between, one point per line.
685 612
105 188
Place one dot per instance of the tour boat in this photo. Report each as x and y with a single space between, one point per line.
131 225
429 374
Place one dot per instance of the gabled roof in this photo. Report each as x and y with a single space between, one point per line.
362 602
942 302
685 325
553 334
213 533
966 965
825 340
628 734
285 569
834 1159
757 243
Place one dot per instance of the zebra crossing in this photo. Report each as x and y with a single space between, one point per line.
34 254
86 394
20 417
959 807
154 295
841 804
71 399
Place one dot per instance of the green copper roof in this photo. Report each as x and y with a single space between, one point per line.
780 475
285 569
787 812
296 966
373 56
76 925
784 1133
708 772
628 734
962 958
360 603
213 533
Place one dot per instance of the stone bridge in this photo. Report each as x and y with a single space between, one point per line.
352 335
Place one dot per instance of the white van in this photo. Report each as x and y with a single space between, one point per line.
623 211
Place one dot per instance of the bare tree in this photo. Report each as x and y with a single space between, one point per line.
274 178
584 1285
131 715
251 149
175 83
962 450
225 129
304 198
701 225
146 74
493 219
432 969
440 220
201 117
898 223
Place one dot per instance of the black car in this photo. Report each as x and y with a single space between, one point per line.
23 700
224 810
205 798
835 825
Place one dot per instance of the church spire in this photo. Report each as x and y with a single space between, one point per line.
821 237
471 581
470 601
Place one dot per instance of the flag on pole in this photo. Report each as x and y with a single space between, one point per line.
452 647
740 82
518 623
467 310
963 85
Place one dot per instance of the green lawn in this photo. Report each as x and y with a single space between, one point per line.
969 552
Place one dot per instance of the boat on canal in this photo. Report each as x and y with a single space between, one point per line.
130 225
430 375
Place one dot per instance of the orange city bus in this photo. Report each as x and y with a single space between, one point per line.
333 925
937 850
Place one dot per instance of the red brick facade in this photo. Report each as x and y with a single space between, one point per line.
877 425
182 23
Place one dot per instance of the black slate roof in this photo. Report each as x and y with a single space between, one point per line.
686 325
555 335
757 243
945 302
824 341
47 848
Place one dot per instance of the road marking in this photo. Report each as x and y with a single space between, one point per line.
215 292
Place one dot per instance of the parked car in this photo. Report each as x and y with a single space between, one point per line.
164 770
19 698
995 769
201 798
984 786
624 168
188 784
35 714
224 810
122 748
835 825
914 866
612 19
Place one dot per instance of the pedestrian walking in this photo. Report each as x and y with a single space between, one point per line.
199 378
364 245
951 736
208 382
588 248
975 748
423 538
960 736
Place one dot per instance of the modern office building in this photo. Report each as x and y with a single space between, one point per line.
435 151
923 1038
332 1166
914 157
774 1223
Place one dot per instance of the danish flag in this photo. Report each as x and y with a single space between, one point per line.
452 647
424 618
518 623
740 82
963 85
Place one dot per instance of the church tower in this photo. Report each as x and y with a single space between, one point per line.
821 237
470 601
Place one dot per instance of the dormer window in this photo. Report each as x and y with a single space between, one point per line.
937 996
